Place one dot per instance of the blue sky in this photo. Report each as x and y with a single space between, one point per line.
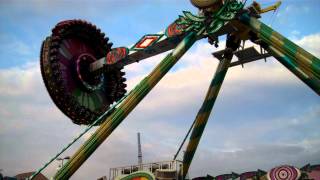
263 117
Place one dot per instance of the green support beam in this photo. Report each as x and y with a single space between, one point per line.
310 81
297 59
204 113
133 99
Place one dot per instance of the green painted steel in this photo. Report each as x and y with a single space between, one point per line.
204 113
132 100
307 63
300 62
312 82
200 24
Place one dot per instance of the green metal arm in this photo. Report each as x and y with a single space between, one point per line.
204 113
133 99
312 82
300 62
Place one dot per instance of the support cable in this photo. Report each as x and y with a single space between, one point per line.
184 140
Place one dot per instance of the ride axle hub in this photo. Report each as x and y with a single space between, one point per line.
89 80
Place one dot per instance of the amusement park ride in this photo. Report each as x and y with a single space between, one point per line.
84 75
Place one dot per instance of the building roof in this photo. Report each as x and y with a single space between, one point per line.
23 176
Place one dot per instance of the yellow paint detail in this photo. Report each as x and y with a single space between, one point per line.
200 119
212 93
193 143
277 40
157 73
271 8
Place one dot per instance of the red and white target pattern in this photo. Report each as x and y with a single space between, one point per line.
284 173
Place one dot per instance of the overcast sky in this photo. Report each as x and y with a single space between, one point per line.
263 117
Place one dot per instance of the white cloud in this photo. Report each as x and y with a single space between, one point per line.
311 43
20 81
